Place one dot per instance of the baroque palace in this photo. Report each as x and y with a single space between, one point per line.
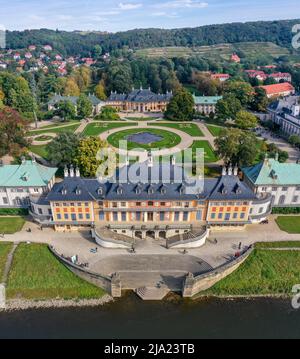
133 208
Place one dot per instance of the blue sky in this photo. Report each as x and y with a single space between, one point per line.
119 15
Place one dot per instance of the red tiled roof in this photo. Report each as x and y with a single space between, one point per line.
278 88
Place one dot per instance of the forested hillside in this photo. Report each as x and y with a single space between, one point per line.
72 43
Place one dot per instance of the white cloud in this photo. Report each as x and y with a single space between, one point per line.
129 6
177 4
164 14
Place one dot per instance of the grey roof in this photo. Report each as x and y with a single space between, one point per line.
284 106
141 95
83 189
58 98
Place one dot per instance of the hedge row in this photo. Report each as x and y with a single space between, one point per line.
13 212
286 210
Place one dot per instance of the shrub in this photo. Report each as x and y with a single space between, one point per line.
286 210
13 211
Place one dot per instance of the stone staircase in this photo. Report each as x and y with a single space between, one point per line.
152 293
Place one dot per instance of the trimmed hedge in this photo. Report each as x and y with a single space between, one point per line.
286 210
13 212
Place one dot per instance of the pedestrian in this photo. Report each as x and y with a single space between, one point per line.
240 246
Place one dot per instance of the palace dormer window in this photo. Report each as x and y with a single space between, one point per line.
78 191
64 191
120 190
150 190
163 190
182 189
100 191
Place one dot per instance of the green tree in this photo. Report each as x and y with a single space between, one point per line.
294 140
86 158
237 146
97 52
12 132
243 91
108 113
245 120
181 106
228 107
84 106
65 110
63 149
260 100
100 91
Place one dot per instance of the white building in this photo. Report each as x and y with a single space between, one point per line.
19 182
286 113
280 180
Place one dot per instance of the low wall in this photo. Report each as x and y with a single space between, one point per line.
98 280
194 285
109 243
196 242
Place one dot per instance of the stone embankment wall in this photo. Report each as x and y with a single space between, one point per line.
111 285
194 285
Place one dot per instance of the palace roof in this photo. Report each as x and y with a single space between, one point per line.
141 95
27 174
58 98
272 172
119 188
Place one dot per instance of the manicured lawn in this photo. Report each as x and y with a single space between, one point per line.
141 118
37 274
95 129
215 130
40 150
10 225
283 244
209 153
169 139
189 128
289 224
5 248
43 138
59 129
264 272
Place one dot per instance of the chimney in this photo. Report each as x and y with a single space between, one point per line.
173 160
235 170
150 159
71 171
224 171
66 172
77 172
230 170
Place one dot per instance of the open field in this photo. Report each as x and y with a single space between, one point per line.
95 129
289 224
214 130
39 150
5 248
189 128
169 139
10 225
220 51
209 153
264 272
70 128
37 274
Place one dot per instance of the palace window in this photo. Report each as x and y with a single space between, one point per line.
185 216
284 189
124 216
73 216
274 189
295 199
115 205
235 215
115 217
66 216
176 216
150 204
213 216
123 204
80 216
214 209
162 216
199 215
138 216
58 216
220 215
227 216
138 204
242 216
87 216
101 216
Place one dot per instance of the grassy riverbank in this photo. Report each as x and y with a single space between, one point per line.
265 272
5 248
36 274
